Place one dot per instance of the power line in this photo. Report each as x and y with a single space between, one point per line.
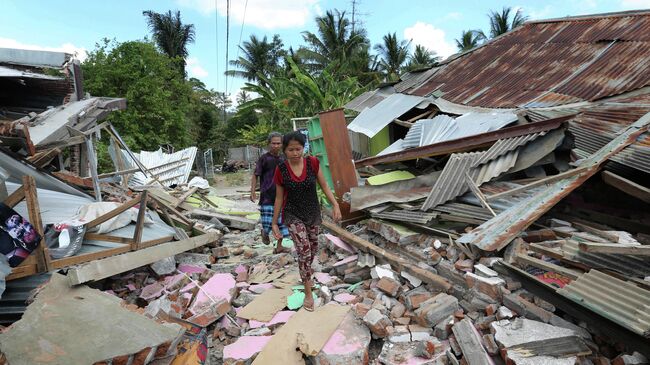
216 33
225 89
241 31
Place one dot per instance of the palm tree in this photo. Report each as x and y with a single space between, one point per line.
259 57
334 43
243 97
500 23
422 58
469 39
393 54
170 34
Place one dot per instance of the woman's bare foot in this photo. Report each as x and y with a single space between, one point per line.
308 303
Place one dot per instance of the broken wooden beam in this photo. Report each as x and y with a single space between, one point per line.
101 269
615 248
402 264
228 220
470 343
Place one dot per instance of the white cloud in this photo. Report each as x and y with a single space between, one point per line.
635 4
454 16
80 52
264 14
431 38
194 68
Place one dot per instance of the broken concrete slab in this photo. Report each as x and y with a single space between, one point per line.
345 298
61 327
347 345
191 269
415 282
377 323
306 331
218 287
470 343
165 266
407 354
244 350
389 286
396 233
509 333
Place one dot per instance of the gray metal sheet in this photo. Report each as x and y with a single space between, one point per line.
406 216
27 57
402 191
371 121
625 264
621 301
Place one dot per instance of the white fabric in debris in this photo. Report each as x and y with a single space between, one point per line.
91 211
199 182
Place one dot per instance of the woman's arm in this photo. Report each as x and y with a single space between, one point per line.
336 211
277 207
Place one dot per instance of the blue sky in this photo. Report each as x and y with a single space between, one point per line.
75 25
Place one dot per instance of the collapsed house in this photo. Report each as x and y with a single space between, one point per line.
499 215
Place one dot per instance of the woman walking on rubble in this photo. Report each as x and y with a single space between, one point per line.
296 197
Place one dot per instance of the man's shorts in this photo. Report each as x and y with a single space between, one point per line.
266 216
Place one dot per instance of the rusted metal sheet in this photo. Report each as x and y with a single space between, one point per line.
621 301
463 144
625 264
339 155
496 233
406 216
601 56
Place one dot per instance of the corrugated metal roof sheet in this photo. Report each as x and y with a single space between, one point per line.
369 99
175 173
618 300
600 57
406 216
372 121
500 230
402 191
453 181
624 264
504 145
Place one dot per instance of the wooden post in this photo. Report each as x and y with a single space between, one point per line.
339 155
31 199
92 158
139 225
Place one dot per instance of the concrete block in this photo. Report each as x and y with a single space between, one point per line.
165 266
389 286
409 354
414 298
436 309
377 323
443 328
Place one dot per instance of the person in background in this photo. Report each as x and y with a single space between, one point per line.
296 197
264 169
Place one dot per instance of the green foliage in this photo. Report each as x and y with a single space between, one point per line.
256 134
393 55
500 22
158 98
422 58
171 35
259 56
470 39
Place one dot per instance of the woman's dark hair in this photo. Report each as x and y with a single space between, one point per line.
293 136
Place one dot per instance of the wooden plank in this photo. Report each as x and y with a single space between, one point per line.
107 238
139 224
16 197
595 231
470 343
228 220
186 195
34 211
21 271
627 186
544 181
615 248
101 269
548 266
339 155
74 180
70 141
80 259
92 159
122 208
172 210
120 162
477 192
156 241
436 281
